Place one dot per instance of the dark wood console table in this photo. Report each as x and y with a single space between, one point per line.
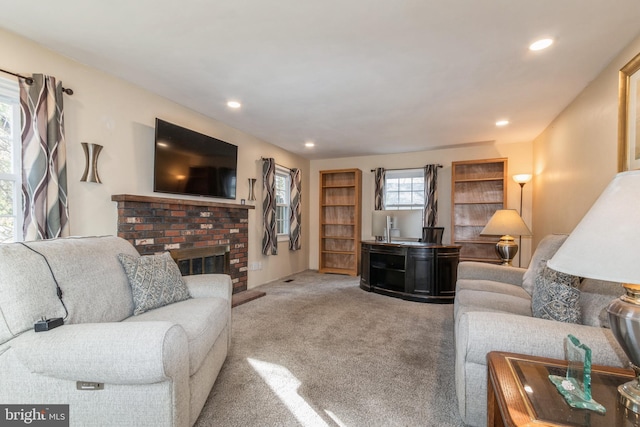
423 272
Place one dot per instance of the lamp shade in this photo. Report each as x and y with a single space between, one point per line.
522 178
605 245
506 222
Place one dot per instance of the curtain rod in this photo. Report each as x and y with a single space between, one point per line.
277 164
405 169
29 81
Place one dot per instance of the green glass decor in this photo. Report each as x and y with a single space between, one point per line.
575 387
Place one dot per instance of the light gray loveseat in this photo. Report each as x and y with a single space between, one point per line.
493 313
157 368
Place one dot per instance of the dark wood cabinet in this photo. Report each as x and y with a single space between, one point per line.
413 271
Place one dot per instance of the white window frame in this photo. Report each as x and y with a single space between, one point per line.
415 176
10 94
283 205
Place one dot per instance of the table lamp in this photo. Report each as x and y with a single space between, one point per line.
605 245
506 223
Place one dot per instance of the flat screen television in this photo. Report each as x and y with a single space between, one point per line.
188 162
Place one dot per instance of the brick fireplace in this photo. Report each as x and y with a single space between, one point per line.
157 224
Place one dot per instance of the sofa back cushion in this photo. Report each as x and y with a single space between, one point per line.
595 297
94 285
27 291
545 250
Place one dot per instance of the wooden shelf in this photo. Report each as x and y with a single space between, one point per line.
340 216
478 190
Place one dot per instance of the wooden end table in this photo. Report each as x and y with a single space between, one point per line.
519 393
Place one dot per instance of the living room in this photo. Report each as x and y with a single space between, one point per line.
571 160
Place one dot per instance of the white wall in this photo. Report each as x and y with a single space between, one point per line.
120 116
519 161
577 155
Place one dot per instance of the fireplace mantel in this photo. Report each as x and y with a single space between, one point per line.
188 202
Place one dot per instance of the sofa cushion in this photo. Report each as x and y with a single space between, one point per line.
492 286
477 300
94 286
545 250
595 297
155 281
203 319
27 290
556 296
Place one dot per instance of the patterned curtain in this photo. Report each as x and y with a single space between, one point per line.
44 164
379 191
269 236
295 215
431 195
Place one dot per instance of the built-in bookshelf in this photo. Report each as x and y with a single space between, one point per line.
340 221
478 189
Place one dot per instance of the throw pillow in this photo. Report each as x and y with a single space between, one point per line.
545 250
556 296
155 281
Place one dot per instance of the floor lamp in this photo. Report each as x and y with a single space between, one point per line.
521 179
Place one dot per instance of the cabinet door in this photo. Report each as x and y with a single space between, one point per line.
364 278
421 272
447 272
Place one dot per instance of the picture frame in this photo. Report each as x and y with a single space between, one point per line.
629 116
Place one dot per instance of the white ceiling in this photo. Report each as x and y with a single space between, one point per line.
357 77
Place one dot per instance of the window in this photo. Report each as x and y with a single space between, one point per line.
282 202
404 189
10 169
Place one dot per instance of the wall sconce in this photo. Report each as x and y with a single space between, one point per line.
252 192
91 153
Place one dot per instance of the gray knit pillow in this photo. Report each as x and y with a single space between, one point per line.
155 281
556 296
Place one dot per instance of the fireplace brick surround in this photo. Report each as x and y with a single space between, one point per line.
157 224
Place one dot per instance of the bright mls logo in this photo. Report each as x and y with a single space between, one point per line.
34 415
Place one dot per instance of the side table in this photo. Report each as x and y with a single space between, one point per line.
519 393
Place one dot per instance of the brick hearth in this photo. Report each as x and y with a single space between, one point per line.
156 224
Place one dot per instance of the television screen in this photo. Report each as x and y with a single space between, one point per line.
188 162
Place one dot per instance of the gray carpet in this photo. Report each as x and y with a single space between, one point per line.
320 351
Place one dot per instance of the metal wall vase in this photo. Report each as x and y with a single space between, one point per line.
252 191
91 153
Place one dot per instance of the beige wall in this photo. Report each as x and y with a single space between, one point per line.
519 161
576 156
111 112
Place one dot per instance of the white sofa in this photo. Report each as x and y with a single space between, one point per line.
157 368
492 310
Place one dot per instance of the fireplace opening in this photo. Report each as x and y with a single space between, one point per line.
205 260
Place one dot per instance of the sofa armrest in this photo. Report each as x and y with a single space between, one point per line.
493 272
478 333
116 353
209 285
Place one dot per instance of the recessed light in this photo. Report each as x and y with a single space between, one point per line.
541 44
309 144
502 122
234 104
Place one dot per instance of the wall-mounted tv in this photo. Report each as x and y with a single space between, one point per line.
188 162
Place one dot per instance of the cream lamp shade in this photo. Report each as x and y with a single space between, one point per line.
605 245
506 223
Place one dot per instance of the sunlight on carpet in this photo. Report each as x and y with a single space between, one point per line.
285 385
